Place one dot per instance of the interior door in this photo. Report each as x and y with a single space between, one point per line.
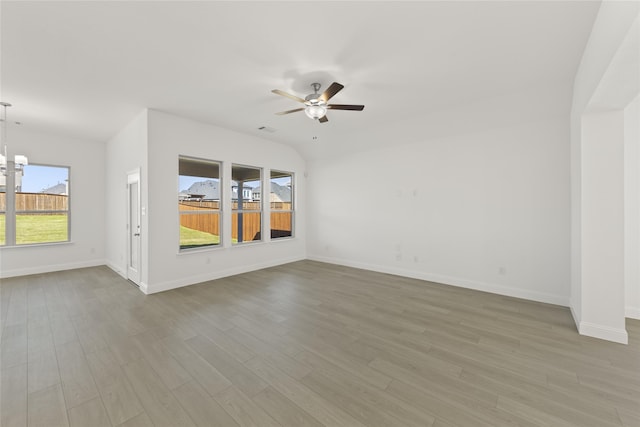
133 228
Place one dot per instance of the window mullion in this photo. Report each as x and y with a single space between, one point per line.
10 215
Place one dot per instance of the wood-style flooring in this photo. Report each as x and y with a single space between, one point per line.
304 344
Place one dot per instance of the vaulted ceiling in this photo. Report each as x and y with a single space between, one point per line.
84 69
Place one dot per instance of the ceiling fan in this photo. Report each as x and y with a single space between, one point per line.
316 103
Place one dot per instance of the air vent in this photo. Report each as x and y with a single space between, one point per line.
266 129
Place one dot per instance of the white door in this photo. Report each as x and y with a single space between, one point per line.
133 228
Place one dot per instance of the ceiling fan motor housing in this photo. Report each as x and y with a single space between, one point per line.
316 104
314 98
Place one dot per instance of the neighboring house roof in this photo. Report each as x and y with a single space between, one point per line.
209 188
282 192
56 189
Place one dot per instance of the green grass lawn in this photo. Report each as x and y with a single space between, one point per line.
53 228
37 229
190 238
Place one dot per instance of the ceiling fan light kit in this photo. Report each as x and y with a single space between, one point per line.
316 105
315 111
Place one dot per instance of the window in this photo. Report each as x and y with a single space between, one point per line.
198 202
246 220
281 202
36 209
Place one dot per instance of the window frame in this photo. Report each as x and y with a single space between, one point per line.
11 212
219 211
240 211
292 207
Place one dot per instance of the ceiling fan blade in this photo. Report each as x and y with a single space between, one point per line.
331 90
288 95
323 119
282 113
346 107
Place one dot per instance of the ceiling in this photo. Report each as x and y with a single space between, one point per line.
85 69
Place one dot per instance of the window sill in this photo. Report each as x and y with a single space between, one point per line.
283 239
234 245
249 243
200 250
280 239
37 245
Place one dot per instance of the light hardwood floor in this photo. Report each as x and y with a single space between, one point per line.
304 344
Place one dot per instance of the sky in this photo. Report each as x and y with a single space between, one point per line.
37 178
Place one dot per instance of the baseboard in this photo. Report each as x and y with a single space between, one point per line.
213 275
145 288
116 269
574 314
40 269
604 332
632 312
451 281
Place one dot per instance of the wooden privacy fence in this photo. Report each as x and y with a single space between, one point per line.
250 226
186 205
205 221
37 202
209 222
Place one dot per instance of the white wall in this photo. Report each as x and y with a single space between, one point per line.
171 136
602 234
632 208
125 152
86 160
602 84
487 210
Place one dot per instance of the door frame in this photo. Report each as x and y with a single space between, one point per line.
133 275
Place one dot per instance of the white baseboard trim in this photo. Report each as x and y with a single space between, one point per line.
213 275
452 281
604 332
144 288
4 274
632 312
116 269
574 314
